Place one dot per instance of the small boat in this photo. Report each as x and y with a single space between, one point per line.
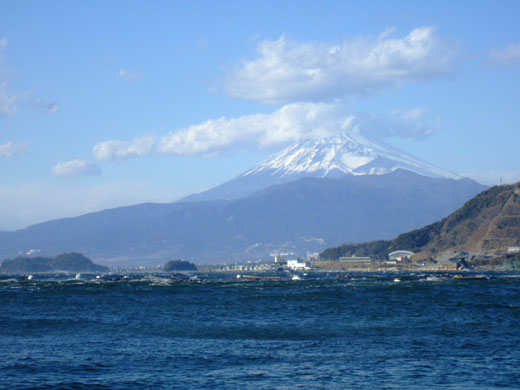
296 277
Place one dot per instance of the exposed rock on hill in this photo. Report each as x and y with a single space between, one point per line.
490 222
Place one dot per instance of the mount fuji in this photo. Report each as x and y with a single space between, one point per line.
311 196
334 157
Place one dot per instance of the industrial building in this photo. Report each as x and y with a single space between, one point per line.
355 259
400 255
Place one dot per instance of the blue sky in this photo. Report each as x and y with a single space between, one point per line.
104 104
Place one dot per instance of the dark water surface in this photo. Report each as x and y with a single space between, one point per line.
364 332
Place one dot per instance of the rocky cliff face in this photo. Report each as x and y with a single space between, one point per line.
502 227
490 222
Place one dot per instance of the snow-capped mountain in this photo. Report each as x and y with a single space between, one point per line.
348 154
361 191
344 155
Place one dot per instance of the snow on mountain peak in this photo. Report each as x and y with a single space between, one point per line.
351 154
346 154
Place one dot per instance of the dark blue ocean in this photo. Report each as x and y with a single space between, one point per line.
326 331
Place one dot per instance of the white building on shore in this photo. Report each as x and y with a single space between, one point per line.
296 265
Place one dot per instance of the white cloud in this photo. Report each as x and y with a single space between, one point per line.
291 123
7 100
3 45
401 123
51 107
287 124
48 108
508 56
30 100
288 71
118 150
9 149
130 75
75 168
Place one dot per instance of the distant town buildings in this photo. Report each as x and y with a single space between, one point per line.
313 257
297 265
280 260
355 259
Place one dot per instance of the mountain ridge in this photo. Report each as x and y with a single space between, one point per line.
309 214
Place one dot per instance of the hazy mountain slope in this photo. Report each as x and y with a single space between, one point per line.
488 222
309 214
330 157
